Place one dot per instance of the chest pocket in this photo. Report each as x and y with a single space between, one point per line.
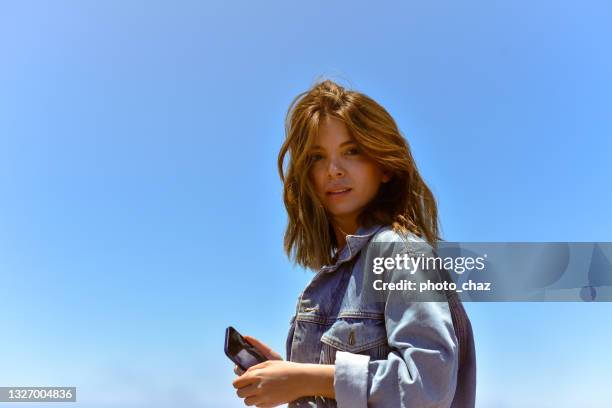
356 335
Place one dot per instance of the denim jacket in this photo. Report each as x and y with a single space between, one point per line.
391 354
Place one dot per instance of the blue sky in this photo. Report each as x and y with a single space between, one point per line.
141 211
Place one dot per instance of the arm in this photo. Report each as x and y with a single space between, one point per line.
275 382
318 379
311 379
421 369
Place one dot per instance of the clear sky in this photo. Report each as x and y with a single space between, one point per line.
140 206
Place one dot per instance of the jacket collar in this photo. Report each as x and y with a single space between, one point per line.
354 243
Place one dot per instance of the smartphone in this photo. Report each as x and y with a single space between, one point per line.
241 351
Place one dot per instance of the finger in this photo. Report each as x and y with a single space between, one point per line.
259 345
250 401
267 405
265 349
243 380
258 366
248 391
238 370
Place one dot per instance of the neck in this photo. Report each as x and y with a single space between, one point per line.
341 230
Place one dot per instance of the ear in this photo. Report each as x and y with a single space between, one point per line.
387 175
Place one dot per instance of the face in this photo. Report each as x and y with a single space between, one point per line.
344 178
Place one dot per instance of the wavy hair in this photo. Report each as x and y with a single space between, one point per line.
405 202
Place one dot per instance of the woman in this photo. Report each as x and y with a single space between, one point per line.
350 183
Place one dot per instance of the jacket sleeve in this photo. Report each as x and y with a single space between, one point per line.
421 368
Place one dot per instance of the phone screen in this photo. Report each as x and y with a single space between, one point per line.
241 351
246 358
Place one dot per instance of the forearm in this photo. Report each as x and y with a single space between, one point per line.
318 379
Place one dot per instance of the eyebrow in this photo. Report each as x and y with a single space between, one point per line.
341 144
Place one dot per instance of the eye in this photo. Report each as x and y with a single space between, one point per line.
314 157
353 151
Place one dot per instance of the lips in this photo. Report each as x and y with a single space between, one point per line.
339 191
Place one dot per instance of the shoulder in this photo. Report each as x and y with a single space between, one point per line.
389 239
387 234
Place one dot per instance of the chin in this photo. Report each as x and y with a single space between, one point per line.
342 213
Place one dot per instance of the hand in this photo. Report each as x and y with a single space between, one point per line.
271 383
263 349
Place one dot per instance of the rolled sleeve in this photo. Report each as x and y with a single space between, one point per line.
421 371
421 368
351 380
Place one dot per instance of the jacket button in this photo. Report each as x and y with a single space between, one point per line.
351 339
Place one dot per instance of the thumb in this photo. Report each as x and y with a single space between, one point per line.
265 350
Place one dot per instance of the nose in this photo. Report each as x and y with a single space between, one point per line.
334 169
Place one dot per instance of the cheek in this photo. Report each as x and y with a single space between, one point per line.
317 180
371 177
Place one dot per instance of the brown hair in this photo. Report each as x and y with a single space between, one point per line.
405 202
